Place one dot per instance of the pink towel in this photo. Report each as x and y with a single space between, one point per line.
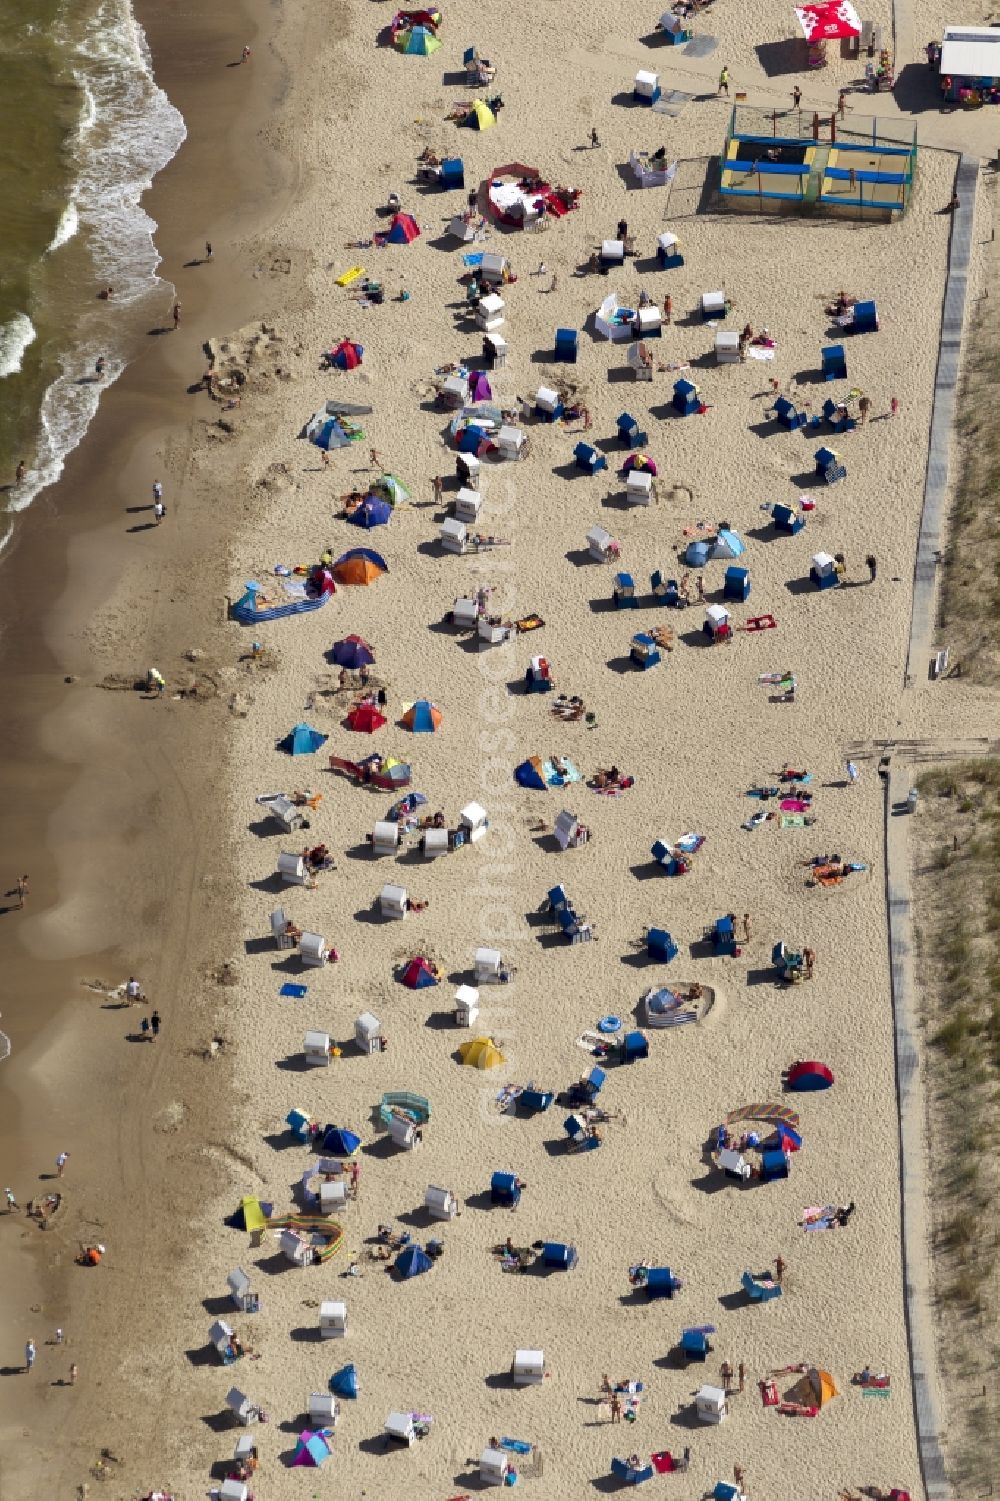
662 1463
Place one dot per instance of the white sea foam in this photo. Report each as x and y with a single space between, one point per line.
66 228
127 132
15 336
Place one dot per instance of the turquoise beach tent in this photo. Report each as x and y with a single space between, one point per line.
421 41
303 740
344 1383
311 1449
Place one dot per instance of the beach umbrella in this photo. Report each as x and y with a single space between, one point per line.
641 462
344 1383
365 718
397 772
828 23
353 652
372 511
359 565
340 1142
423 717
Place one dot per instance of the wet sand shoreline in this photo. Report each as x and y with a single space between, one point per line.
96 792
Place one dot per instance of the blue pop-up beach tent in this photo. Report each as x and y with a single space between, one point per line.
373 511
340 1142
302 740
344 1383
412 1262
529 775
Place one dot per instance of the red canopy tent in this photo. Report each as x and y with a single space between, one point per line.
829 22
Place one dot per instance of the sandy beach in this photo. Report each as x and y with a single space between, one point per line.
158 862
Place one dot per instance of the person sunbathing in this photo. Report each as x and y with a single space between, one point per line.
292 931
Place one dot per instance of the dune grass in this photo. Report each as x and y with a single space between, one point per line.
957 918
969 607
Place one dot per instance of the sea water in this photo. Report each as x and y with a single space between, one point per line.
84 128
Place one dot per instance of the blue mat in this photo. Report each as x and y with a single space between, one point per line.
295 991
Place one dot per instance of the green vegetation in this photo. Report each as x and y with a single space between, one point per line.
969 613
957 920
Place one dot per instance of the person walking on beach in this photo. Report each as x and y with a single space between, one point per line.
779 1268
22 890
100 367
144 1028
159 511
208 250
852 773
157 490
438 488
73 1375
893 406
29 1354
245 56
746 927
154 1022
742 1376
796 97
11 1201
177 314
864 407
58 1337
594 139
842 103
724 82
872 563
61 1162
616 1408
19 473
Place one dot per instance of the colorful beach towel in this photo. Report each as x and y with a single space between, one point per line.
349 276
793 820
296 992
663 1462
555 778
